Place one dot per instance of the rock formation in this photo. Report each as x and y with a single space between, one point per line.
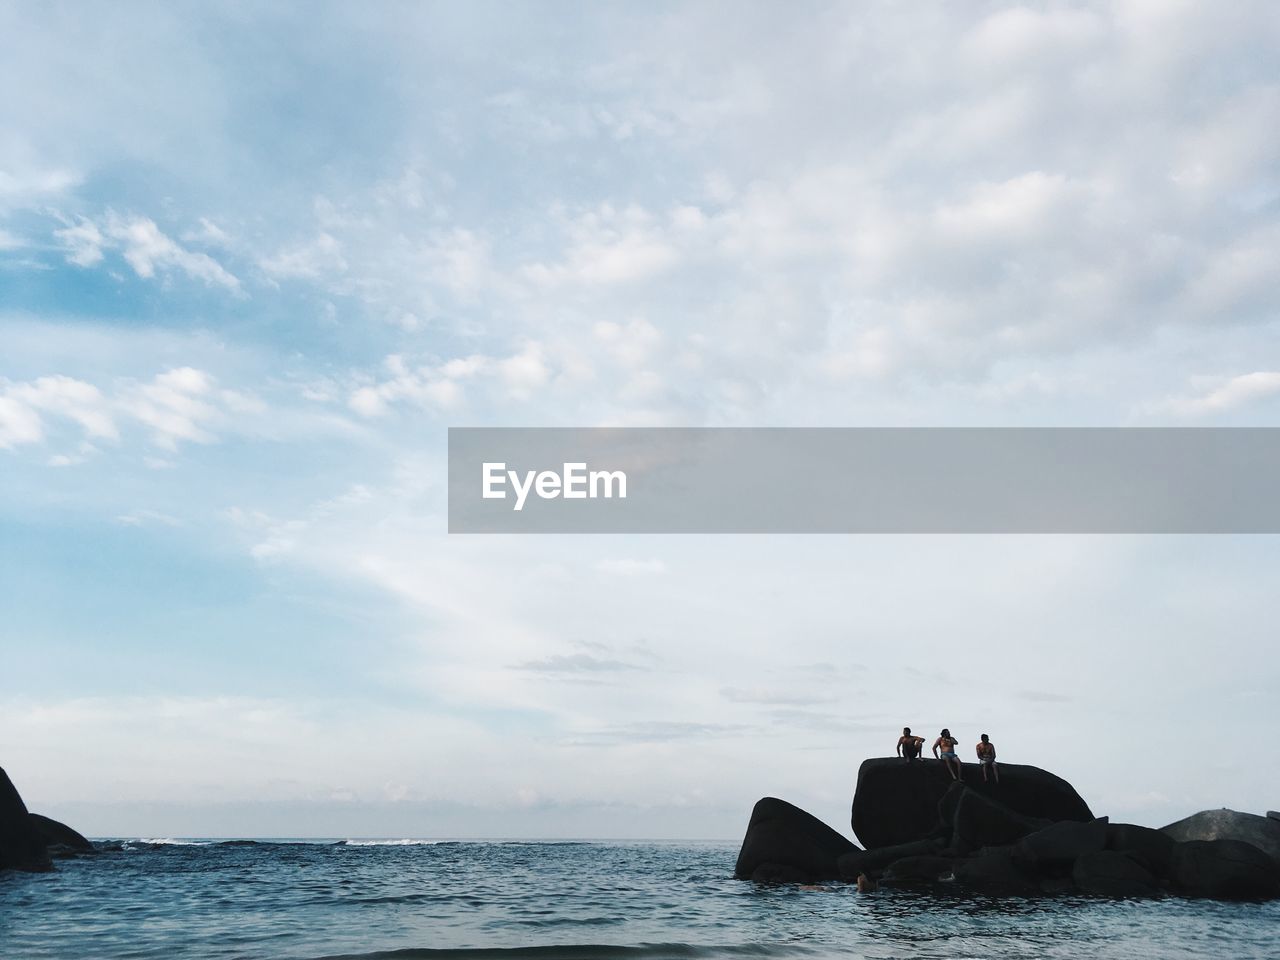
896 801
1029 835
27 839
786 844
1224 824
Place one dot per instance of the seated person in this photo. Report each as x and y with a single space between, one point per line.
909 746
948 756
987 758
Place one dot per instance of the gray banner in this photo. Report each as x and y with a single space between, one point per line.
821 480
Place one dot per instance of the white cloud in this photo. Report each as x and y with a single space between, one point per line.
175 406
180 404
147 249
83 242
632 568
609 246
320 257
138 518
19 424
74 399
525 372
143 245
30 185
1223 396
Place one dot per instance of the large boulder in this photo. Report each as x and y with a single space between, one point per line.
1152 848
778 873
979 821
919 868
896 801
1107 873
21 846
1061 844
794 845
1224 824
1225 870
873 861
995 872
59 835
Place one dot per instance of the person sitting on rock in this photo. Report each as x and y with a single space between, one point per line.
948 745
909 746
987 758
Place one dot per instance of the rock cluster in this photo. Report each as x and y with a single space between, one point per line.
29 841
1031 834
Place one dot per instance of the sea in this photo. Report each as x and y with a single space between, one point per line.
168 898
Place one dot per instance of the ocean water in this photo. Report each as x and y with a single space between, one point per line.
471 900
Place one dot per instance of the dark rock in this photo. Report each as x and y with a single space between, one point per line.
997 872
1262 832
1273 814
1057 886
1151 848
1225 870
21 847
873 861
999 848
1107 873
783 835
897 801
980 821
947 807
778 873
57 834
1061 843
923 867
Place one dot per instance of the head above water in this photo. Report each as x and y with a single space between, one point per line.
984 738
946 732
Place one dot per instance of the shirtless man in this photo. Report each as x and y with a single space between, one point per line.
948 756
987 758
909 746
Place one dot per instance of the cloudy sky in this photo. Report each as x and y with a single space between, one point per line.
254 260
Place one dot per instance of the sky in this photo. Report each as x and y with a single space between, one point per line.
256 259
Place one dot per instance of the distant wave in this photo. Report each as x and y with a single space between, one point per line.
413 842
589 951
397 843
171 842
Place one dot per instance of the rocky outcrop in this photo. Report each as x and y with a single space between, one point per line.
976 821
1151 848
1029 835
21 846
58 837
995 872
27 840
896 801
1225 870
1224 824
786 844
1061 844
924 867
1107 873
872 861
